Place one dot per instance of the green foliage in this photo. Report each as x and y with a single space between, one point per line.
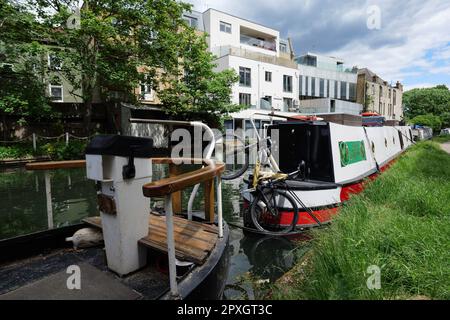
55 150
61 151
16 151
196 90
435 101
428 120
400 223
22 89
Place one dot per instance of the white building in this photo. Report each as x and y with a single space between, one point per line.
263 60
327 80
270 77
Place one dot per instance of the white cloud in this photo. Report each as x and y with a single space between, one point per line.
413 42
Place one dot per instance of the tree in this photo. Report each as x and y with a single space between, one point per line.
102 53
22 91
428 120
197 90
435 101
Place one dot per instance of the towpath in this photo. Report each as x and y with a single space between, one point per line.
446 147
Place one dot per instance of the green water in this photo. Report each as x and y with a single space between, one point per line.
255 261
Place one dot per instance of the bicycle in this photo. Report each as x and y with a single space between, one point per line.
272 196
235 153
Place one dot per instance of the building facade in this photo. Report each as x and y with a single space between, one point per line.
377 95
325 85
268 75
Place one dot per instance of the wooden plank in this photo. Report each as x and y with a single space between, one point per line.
184 223
201 240
178 183
50 165
193 240
209 200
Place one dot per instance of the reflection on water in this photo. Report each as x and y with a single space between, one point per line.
23 197
255 260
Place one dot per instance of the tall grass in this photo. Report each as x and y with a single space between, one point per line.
400 223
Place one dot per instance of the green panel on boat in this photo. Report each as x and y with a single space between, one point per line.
352 152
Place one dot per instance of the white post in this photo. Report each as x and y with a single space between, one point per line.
171 247
219 206
34 141
67 138
48 193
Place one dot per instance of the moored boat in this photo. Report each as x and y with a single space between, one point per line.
146 255
334 162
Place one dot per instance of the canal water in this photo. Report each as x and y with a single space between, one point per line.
256 261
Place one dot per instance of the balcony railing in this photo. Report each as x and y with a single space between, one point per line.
254 55
255 42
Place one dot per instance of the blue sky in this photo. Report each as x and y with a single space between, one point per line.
412 44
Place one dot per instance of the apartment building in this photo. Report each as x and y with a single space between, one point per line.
377 95
268 75
326 85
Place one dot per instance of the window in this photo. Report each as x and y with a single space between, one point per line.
313 86
283 47
54 62
191 21
268 76
306 86
56 92
287 102
287 83
328 88
343 90
300 84
7 67
266 103
225 27
395 97
245 99
352 91
146 88
335 89
322 88
245 77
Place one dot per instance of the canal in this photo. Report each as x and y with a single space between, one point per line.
256 261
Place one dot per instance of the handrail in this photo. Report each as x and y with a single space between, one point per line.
178 183
49 165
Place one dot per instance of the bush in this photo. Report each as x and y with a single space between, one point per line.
428 120
61 151
55 150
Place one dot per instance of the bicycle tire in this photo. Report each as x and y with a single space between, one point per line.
231 172
274 197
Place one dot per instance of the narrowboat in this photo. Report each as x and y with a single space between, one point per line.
335 160
142 254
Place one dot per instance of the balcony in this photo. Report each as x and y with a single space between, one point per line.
258 56
255 42
258 39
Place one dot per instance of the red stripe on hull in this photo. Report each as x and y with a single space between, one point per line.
324 215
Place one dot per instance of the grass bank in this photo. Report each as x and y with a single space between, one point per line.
400 223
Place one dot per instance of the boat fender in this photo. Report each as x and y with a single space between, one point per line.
86 237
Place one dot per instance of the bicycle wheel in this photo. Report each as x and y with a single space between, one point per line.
266 208
231 150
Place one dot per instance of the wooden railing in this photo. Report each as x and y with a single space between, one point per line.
177 182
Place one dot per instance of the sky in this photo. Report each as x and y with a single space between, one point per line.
403 40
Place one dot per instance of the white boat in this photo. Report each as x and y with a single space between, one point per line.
336 161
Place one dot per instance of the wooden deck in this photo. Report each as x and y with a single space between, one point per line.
193 240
